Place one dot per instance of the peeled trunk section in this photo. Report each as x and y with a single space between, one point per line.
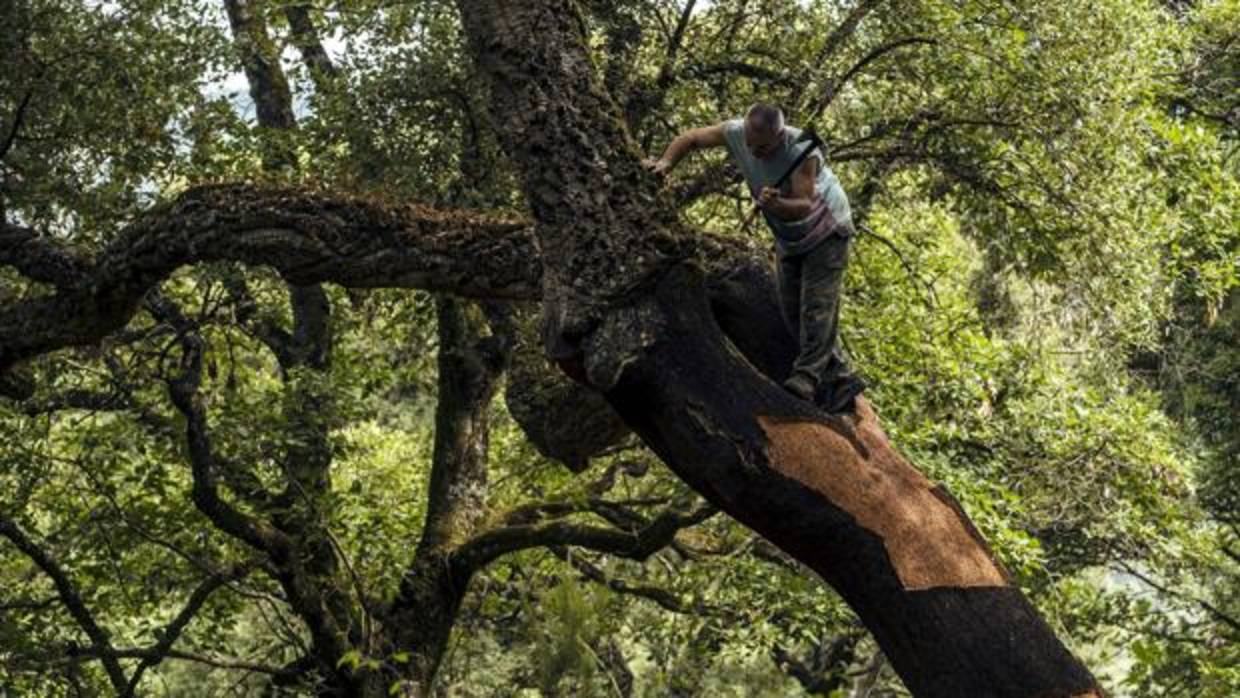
833 493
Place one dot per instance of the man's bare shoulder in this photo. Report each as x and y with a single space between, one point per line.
806 176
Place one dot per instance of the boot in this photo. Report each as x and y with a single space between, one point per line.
800 386
840 395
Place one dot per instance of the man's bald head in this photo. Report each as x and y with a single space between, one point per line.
764 128
764 119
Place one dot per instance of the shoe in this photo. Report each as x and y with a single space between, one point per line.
842 396
800 386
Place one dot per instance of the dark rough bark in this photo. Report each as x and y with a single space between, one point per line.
38 258
357 242
627 312
565 133
831 492
311 238
840 500
562 419
307 237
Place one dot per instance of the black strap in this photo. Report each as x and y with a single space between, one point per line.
814 142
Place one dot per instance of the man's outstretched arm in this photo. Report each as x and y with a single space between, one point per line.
693 139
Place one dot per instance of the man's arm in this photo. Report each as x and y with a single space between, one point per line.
693 139
800 201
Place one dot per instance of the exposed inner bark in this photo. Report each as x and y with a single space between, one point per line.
690 396
928 542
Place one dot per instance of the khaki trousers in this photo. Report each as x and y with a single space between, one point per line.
810 286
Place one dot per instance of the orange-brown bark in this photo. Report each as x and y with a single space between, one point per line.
930 544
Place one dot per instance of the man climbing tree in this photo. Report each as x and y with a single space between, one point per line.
809 215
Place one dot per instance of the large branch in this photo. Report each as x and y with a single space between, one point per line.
308 237
273 101
469 367
470 363
311 237
552 111
40 258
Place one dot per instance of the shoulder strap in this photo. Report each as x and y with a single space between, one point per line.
814 142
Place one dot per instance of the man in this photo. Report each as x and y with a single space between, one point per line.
812 223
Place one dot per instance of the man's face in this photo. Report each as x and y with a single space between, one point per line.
762 143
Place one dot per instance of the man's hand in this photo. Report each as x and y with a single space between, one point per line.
660 167
693 139
767 197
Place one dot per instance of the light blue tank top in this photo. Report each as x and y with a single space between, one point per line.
765 172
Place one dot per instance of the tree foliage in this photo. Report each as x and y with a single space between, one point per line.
1043 296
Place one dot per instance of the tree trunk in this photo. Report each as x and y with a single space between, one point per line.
312 577
421 617
626 311
834 494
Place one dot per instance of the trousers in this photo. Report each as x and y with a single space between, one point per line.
810 285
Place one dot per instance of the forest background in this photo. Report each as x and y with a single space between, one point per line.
1044 298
